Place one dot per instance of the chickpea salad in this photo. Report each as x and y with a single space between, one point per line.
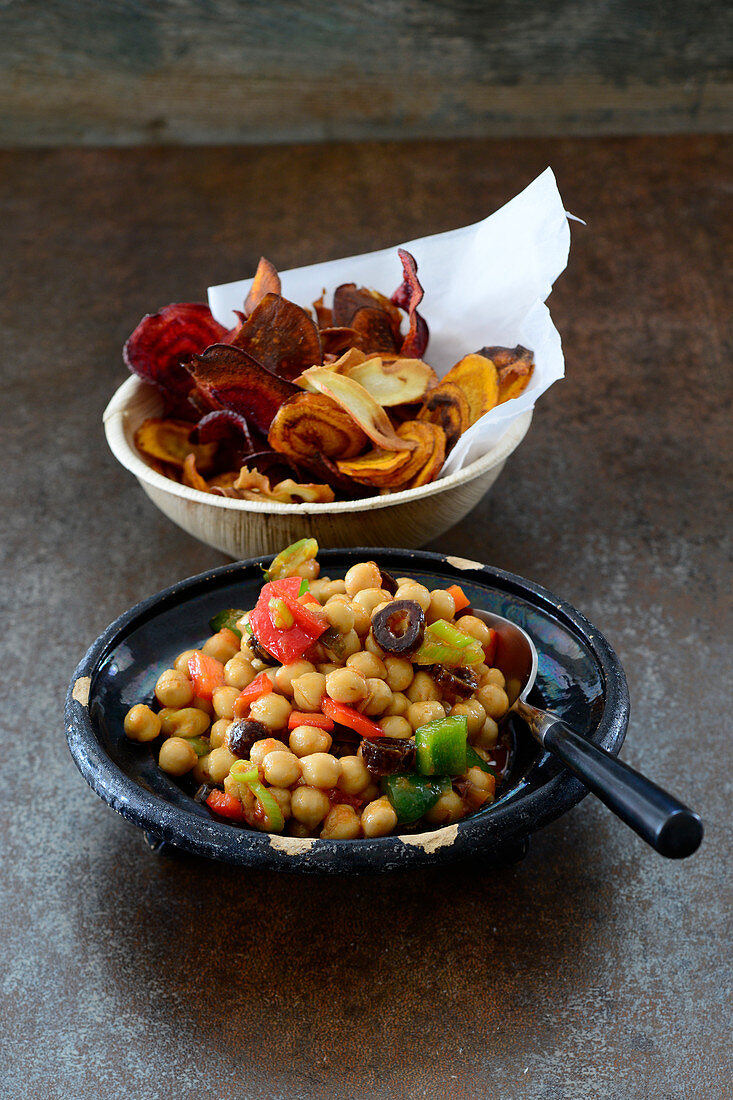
335 708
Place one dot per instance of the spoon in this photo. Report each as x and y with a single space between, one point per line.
655 815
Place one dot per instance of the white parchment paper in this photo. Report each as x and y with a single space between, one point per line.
484 284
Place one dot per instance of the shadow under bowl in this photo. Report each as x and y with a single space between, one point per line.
579 677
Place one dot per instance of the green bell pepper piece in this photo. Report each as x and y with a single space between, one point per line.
473 760
288 560
227 618
411 796
441 746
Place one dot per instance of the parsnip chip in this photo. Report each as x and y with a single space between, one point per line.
359 404
393 381
168 441
447 405
192 477
311 424
253 485
479 379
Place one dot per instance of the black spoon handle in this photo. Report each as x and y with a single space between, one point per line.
658 817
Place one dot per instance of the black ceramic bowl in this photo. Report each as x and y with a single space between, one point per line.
579 678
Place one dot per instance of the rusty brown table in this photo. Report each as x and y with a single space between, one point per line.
591 969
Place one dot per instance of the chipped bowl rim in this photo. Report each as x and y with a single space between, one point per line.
115 421
503 826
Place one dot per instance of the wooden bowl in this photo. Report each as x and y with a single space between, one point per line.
243 528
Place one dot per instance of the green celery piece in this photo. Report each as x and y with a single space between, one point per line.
473 760
200 745
269 804
411 796
228 619
441 746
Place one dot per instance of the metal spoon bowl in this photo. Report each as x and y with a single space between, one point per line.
670 827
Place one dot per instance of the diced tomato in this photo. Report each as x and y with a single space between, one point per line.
261 685
225 805
490 648
347 716
300 718
206 674
286 645
460 598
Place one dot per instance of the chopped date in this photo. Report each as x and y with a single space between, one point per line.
455 683
387 755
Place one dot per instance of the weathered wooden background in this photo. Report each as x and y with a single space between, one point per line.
209 71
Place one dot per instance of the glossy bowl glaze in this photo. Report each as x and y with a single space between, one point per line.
242 528
579 678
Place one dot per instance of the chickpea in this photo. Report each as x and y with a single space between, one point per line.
475 715
223 700
494 700
222 646
340 616
308 569
480 788
309 806
327 667
487 736
173 689
371 792
342 823
394 725
181 662
238 672
493 676
398 704
260 749
308 691
369 598
400 673
365 574
477 628
203 705
317 588
350 644
186 722
306 740
287 673
246 651
297 828
219 762
447 809
271 709
345 685
176 756
241 624
442 606
333 588
378 818
282 797
354 776
414 591
141 723
281 768
367 664
371 646
320 769
379 696
419 714
362 619
218 733
422 689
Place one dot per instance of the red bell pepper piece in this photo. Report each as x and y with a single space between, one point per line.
347 716
261 685
300 718
226 805
206 674
460 599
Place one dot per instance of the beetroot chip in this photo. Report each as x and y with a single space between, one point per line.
223 425
234 380
408 296
162 341
266 281
281 336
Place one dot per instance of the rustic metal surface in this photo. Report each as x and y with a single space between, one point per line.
591 969
318 70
